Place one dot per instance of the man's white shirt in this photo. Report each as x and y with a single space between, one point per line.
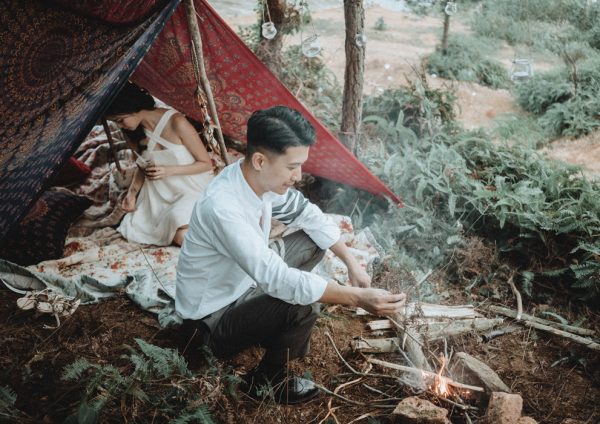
225 251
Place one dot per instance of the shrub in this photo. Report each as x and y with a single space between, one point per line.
380 24
542 91
465 61
576 117
517 128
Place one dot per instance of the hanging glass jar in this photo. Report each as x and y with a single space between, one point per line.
360 40
268 30
311 45
451 8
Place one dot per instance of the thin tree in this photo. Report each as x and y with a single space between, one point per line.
354 15
269 51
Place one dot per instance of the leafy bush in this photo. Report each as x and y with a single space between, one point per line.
155 382
380 24
418 107
518 128
562 110
542 215
465 61
576 117
542 91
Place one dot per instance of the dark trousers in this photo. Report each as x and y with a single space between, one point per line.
259 319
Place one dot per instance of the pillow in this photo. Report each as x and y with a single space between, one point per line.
41 234
73 172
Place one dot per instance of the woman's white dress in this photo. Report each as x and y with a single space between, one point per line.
164 205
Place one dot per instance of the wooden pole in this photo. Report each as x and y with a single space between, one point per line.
190 12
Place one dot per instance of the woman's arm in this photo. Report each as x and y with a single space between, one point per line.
128 203
190 139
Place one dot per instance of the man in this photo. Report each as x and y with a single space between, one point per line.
231 284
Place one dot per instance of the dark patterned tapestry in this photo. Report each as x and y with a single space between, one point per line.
58 70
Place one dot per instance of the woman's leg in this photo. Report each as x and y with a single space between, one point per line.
180 234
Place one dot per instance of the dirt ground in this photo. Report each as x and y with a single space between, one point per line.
557 380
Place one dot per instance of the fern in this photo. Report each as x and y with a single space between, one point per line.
156 378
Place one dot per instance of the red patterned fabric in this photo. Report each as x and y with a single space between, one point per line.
241 84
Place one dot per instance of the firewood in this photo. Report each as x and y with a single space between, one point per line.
571 329
418 371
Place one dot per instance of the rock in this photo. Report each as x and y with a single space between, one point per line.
470 370
504 408
526 420
414 410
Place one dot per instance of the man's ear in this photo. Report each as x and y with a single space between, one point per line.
258 160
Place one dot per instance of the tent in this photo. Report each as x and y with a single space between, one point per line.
62 62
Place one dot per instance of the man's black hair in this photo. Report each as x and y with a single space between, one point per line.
131 99
278 128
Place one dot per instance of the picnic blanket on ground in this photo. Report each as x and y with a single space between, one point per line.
98 263
104 264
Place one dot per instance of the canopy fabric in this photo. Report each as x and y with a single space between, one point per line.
58 70
62 62
241 84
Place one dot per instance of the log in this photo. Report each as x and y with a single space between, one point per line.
429 310
413 370
381 324
578 339
440 311
513 314
438 330
430 331
386 345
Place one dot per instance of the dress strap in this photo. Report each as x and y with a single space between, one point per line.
154 136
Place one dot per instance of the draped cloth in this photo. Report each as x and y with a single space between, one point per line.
63 61
58 71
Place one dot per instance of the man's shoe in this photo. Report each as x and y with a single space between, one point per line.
287 390
295 390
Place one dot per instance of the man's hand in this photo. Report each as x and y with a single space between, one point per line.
358 277
381 302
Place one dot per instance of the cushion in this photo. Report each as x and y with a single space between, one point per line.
73 172
41 234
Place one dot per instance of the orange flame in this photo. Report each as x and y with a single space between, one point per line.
441 386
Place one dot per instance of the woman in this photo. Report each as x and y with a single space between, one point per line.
171 173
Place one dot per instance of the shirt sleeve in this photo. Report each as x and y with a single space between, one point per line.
295 210
232 237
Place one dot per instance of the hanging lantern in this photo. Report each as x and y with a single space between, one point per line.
311 45
268 30
451 8
360 40
522 70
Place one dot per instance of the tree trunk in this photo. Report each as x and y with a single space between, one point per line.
354 15
269 51
445 34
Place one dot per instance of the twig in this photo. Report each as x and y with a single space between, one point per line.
152 269
353 402
373 389
449 381
518 296
458 405
340 355
570 328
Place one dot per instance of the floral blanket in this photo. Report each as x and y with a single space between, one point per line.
99 263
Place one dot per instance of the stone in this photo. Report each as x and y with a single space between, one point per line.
470 370
526 420
504 408
414 410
